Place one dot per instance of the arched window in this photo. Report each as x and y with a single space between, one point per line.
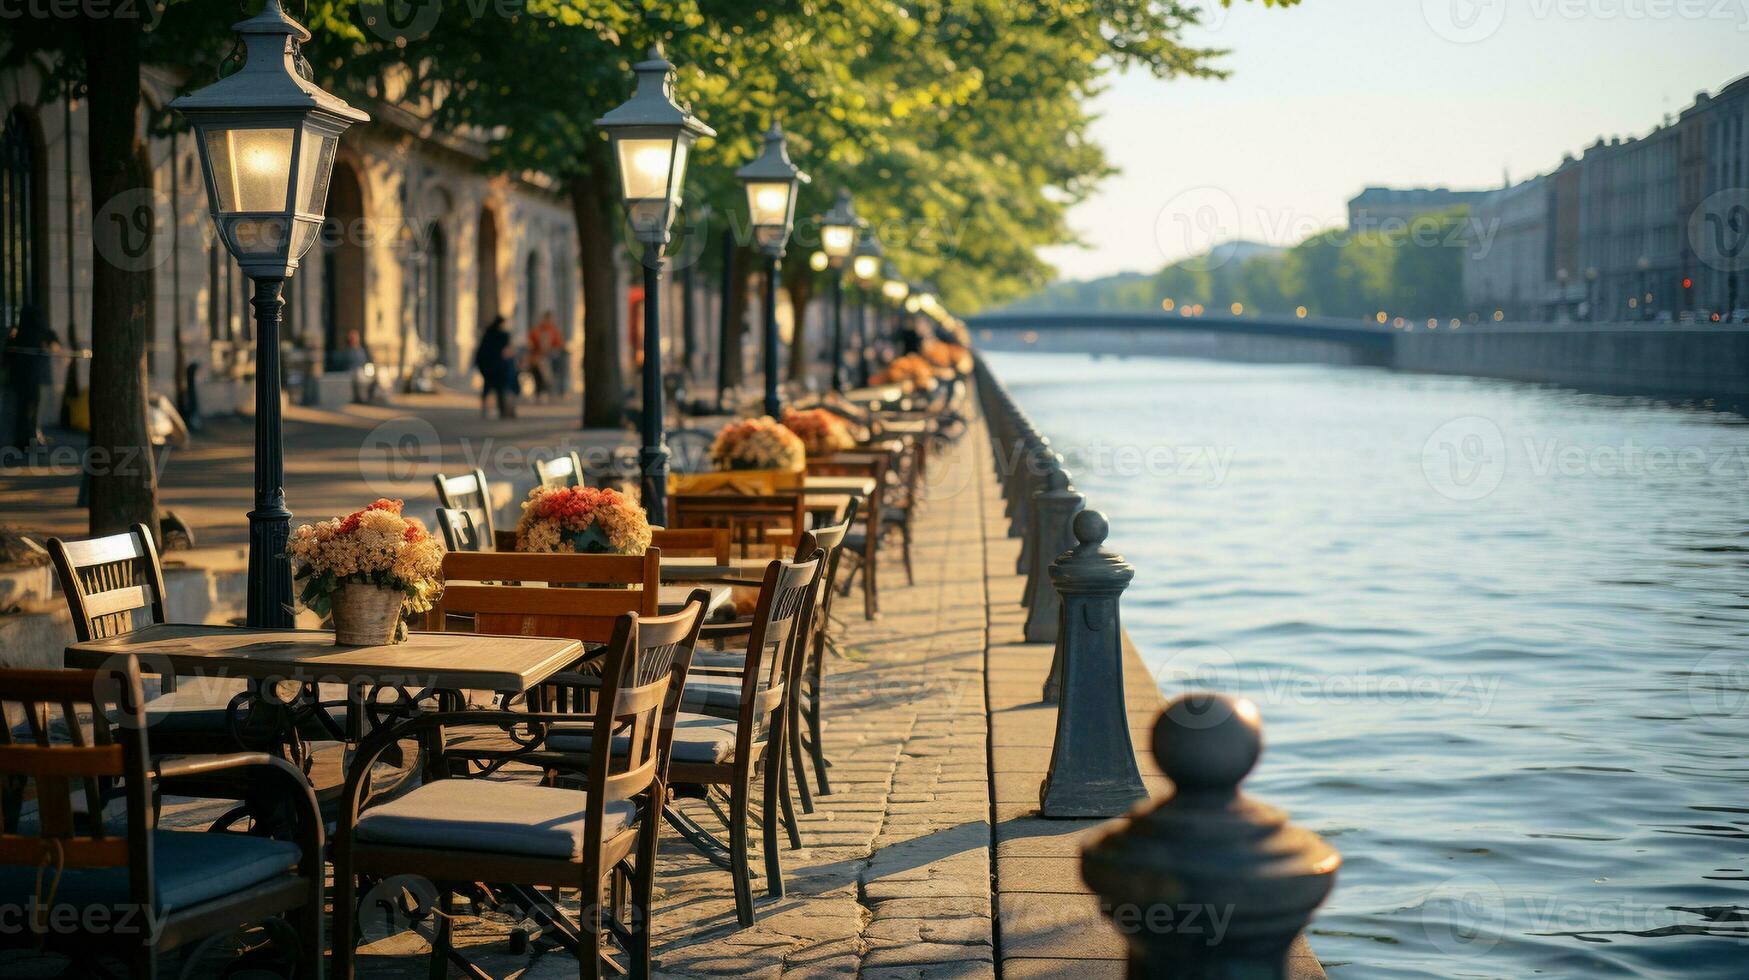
21 218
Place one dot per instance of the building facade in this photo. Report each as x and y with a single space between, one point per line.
1383 209
1646 228
423 245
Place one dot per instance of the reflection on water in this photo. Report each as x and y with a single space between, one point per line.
1497 633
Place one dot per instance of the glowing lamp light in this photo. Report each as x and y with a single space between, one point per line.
1300 312
838 228
267 138
895 289
652 138
865 265
770 180
1167 304
818 261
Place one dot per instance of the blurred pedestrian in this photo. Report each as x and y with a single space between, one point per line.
496 362
546 355
30 349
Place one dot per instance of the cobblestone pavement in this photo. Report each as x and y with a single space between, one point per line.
893 882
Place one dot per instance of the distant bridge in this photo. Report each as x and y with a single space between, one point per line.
1685 362
1253 338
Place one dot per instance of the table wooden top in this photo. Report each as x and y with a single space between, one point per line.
679 570
440 660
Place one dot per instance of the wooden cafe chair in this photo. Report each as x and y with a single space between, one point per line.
152 889
469 492
760 526
459 531
863 544
599 835
720 746
694 542
565 470
583 595
114 585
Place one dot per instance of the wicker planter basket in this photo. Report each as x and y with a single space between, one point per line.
365 615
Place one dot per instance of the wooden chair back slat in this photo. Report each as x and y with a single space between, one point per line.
694 542
758 525
460 533
110 582
82 755
785 601
469 492
560 471
583 598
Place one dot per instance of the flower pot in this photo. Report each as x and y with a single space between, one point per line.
365 615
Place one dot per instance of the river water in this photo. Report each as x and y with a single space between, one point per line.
1498 634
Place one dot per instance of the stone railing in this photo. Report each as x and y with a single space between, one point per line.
1203 849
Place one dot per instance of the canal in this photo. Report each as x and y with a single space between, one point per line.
1499 635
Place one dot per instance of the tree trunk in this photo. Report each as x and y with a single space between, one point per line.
603 375
798 281
735 342
124 485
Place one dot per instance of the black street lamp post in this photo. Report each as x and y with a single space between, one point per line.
770 180
267 137
838 228
866 265
652 137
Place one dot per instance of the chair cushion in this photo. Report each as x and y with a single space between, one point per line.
191 868
717 693
483 815
697 738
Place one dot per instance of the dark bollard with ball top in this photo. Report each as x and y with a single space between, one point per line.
1093 763
1210 854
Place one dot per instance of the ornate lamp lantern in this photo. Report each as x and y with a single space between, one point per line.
652 137
267 136
838 229
894 288
771 180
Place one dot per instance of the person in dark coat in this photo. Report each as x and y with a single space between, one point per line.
29 361
496 362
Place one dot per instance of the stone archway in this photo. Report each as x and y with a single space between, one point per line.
486 268
343 284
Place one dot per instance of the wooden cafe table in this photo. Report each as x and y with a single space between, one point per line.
426 662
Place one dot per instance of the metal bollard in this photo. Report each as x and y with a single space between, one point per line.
1052 463
1053 522
1029 479
1093 764
1208 848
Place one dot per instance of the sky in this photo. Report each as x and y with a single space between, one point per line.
1334 95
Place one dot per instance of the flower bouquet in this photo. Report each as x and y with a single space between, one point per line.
822 432
913 368
949 355
585 520
758 444
369 571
